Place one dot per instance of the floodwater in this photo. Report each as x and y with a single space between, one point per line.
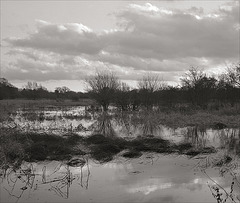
150 178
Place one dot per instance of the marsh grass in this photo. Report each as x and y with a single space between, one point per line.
104 144
16 146
151 144
228 168
36 147
104 148
174 117
104 125
132 154
46 102
178 119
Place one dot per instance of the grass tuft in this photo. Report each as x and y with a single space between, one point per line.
132 154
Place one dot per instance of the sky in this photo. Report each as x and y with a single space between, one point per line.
61 43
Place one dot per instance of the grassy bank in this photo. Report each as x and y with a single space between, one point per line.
16 147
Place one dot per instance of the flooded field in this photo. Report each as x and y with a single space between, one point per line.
203 165
151 178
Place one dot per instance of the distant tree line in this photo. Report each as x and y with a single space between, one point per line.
33 90
197 89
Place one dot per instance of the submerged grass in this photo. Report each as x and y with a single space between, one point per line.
16 147
104 149
132 154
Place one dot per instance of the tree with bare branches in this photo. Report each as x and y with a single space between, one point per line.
192 77
103 87
233 75
122 99
148 85
151 83
198 85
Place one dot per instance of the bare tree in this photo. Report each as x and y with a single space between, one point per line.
199 87
122 98
233 75
192 77
148 86
151 83
103 87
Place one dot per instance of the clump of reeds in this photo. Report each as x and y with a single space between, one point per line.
104 148
132 154
17 146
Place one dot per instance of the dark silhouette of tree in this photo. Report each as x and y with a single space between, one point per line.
200 88
33 90
7 90
190 83
103 87
233 75
122 98
192 77
148 85
228 88
169 96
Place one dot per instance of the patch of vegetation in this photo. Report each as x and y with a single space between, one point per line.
151 144
182 147
176 119
104 148
222 161
16 147
190 150
132 154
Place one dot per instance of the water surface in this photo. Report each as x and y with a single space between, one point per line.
150 178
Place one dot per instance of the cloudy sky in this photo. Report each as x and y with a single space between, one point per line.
60 43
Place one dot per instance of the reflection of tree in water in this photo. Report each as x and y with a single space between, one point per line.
104 125
124 120
230 140
146 121
196 136
226 161
227 139
60 180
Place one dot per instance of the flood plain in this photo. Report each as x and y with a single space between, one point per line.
207 171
